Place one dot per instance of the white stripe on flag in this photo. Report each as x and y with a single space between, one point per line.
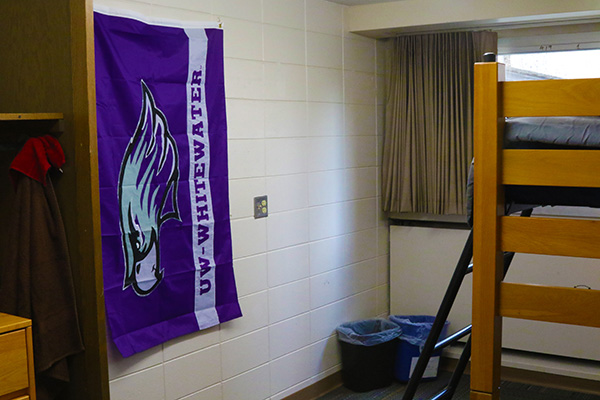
200 197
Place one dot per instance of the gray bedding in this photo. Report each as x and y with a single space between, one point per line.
558 131
553 133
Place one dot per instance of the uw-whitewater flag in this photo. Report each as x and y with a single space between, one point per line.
162 155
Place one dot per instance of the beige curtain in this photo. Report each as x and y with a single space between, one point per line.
428 142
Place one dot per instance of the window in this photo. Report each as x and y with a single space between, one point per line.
552 65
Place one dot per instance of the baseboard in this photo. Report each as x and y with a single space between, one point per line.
511 374
319 388
536 378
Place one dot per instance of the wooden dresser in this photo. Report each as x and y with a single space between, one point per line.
17 378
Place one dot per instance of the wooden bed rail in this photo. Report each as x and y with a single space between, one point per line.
547 98
550 167
552 236
568 305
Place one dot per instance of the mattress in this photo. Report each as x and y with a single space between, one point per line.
546 133
562 132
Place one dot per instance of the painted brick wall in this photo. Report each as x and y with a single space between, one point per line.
305 120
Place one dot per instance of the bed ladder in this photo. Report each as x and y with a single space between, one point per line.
463 267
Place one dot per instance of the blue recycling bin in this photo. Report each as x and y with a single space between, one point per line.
368 353
415 330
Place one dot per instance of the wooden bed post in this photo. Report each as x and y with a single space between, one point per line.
487 253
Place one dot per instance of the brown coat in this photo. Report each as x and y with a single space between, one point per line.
36 283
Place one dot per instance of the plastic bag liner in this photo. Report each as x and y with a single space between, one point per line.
415 328
369 332
415 331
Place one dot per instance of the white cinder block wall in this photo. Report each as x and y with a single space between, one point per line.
305 123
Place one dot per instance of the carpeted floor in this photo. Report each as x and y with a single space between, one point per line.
509 391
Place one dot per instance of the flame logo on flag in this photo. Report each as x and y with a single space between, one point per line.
147 195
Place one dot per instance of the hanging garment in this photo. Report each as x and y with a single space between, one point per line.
36 280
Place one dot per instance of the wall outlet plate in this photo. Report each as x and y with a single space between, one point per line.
261 207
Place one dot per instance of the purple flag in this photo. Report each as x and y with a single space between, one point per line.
162 155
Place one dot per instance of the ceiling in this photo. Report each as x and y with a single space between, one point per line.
358 2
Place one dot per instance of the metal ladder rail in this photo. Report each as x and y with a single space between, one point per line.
463 267
448 392
460 271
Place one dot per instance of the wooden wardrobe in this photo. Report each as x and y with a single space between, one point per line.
47 67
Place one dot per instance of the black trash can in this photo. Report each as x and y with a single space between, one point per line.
368 353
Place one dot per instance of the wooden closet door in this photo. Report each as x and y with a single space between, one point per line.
47 66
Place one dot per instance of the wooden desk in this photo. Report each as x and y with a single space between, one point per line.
17 377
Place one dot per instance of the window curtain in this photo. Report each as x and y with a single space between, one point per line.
428 143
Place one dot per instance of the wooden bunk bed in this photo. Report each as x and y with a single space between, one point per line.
495 233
